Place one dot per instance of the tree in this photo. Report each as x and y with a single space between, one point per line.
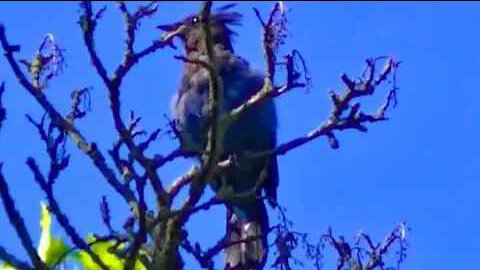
154 235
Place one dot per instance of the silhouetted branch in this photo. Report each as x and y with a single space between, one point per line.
153 136
341 105
141 236
64 126
205 258
273 36
160 160
287 240
126 134
105 212
183 181
55 147
350 256
88 22
62 219
206 206
11 260
18 224
269 90
373 256
197 253
269 40
113 87
132 21
366 85
90 149
79 97
3 112
376 253
354 118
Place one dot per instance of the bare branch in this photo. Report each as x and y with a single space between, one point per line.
79 97
206 206
88 23
182 181
105 212
131 23
3 112
113 87
153 136
159 160
197 253
61 217
268 40
11 260
273 35
130 28
205 258
55 147
75 135
141 235
373 256
355 118
194 172
18 224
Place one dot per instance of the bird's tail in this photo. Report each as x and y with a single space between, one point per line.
250 231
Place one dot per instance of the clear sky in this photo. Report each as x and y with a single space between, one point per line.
420 167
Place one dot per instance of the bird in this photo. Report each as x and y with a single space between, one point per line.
255 131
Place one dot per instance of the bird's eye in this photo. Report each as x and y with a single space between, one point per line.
195 20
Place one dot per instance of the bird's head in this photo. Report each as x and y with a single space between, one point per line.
190 31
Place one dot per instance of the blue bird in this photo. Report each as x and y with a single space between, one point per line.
254 131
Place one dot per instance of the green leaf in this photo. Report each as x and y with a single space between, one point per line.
51 250
110 259
4 266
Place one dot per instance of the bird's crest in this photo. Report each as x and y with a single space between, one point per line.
189 30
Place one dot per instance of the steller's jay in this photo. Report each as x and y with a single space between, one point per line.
253 131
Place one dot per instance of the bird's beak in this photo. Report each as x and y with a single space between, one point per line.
172 31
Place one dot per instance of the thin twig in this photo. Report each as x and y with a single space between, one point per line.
90 149
141 235
3 112
113 87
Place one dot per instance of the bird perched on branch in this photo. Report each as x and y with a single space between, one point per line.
253 132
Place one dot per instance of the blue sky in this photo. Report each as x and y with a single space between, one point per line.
419 167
